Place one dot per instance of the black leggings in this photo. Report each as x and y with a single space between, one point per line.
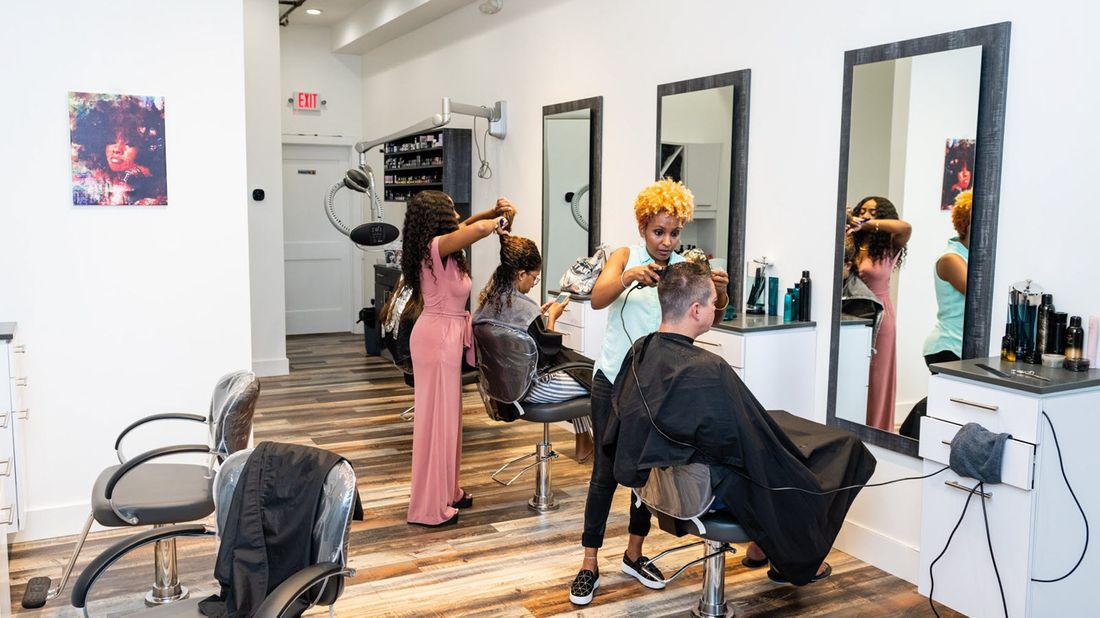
911 427
601 489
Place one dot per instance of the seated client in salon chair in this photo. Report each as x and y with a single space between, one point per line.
676 403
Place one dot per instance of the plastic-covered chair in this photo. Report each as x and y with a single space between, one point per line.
508 364
138 492
681 498
323 580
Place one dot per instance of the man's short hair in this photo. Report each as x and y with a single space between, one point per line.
683 284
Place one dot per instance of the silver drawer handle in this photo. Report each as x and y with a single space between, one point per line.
19 349
983 406
713 345
20 381
9 519
947 442
7 466
969 490
22 415
4 416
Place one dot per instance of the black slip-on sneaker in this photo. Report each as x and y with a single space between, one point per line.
584 587
644 571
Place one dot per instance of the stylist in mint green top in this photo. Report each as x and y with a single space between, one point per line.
661 210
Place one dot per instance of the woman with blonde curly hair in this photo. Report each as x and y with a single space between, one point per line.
661 210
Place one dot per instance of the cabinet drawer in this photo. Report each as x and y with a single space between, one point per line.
17 354
995 409
727 345
1017 465
572 337
964 576
573 313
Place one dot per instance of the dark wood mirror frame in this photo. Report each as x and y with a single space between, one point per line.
739 157
594 105
993 40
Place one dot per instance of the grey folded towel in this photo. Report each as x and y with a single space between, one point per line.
977 452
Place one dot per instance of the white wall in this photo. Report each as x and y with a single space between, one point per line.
567 159
534 53
869 136
265 171
125 311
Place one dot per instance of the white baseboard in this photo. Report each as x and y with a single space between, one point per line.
54 521
271 367
880 551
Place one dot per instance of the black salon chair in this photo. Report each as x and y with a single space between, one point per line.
323 580
508 364
469 376
138 492
403 362
681 499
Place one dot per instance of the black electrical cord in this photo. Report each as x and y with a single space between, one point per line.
931 576
989 541
1078 502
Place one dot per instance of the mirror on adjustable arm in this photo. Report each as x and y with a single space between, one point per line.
571 156
920 164
702 140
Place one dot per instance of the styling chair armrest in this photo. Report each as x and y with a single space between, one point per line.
113 553
157 453
296 585
169 416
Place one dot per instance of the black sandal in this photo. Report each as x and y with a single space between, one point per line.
453 520
749 563
466 502
778 578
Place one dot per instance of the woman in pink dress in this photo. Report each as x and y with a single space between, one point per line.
434 265
880 239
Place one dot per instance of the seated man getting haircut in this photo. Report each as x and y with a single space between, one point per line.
676 403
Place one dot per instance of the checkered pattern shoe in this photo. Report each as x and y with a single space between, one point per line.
644 571
584 587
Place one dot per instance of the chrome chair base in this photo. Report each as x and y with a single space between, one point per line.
543 499
166 583
712 602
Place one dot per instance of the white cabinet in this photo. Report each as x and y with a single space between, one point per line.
1035 527
5 577
582 327
14 412
776 364
853 370
702 169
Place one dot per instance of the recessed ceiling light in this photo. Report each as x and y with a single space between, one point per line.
313 11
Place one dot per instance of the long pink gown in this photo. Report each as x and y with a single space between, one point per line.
436 344
883 378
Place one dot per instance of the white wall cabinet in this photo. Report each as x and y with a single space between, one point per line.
1035 528
14 414
853 370
582 327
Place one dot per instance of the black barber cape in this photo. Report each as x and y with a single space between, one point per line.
269 531
697 399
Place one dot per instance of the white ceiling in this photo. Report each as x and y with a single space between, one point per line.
333 11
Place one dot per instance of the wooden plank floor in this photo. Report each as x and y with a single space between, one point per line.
500 560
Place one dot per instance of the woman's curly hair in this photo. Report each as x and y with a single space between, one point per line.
517 254
880 245
960 214
428 214
664 196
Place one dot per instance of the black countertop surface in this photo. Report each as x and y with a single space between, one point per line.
7 331
848 320
746 323
1060 380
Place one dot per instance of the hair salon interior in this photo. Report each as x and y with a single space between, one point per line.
809 279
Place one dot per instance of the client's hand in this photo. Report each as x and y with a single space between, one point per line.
555 309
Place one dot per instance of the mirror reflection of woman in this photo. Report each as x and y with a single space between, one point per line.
879 238
944 343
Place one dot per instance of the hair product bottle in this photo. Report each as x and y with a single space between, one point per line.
1043 343
788 300
796 303
804 296
1075 339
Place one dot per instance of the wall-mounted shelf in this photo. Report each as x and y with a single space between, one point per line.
440 160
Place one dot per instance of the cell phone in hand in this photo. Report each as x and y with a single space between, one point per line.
564 296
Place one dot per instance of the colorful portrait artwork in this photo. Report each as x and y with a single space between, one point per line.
958 170
118 151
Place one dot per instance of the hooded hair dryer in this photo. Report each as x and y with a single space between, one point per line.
376 233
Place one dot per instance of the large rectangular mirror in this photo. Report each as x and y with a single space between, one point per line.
702 140
919 184
571 153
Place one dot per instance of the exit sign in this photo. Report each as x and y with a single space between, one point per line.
305 100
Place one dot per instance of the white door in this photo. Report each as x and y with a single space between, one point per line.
317 257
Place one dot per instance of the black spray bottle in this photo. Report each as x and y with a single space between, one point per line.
1045 328
804 295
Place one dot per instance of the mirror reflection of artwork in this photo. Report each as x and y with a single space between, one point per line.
903 251
958 166
118 150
